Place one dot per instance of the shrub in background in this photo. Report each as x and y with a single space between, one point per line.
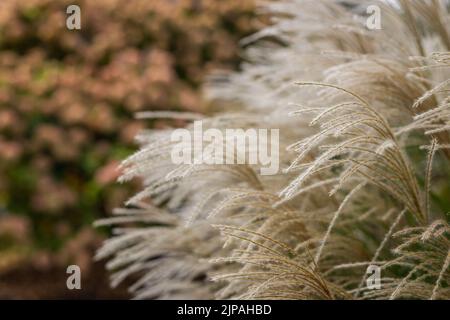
67 98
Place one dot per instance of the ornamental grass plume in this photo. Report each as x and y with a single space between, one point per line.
364 119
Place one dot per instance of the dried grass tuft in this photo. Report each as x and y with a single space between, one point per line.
365 143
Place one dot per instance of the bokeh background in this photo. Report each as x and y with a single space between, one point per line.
67 105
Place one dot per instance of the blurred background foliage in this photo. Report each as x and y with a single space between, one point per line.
67 100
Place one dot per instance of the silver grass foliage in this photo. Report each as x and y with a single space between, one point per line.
364 119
